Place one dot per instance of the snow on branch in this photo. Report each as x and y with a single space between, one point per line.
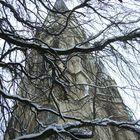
27 102
97 46
71 129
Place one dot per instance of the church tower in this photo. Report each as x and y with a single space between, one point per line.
76 85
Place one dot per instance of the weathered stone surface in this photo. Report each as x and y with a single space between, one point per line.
86 93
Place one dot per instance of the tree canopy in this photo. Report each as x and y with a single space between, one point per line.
39 41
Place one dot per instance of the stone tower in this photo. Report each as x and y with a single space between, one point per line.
79 87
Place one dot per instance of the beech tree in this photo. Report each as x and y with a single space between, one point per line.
41 42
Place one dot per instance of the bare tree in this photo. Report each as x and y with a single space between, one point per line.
55 65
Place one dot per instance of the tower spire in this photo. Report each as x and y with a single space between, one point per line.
60 6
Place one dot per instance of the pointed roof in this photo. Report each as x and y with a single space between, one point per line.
60 6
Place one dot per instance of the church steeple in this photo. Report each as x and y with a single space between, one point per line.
60 6
65 34
89 93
